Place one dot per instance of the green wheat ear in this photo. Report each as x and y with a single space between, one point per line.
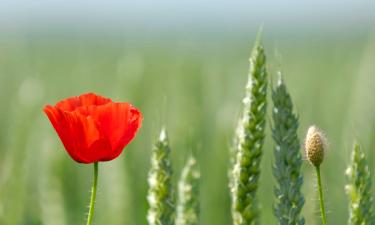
358 189
288 159
188 194
250 138
160 193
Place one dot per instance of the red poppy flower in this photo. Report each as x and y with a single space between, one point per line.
93 128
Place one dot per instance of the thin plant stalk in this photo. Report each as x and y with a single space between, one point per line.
321 199
315 146
93 195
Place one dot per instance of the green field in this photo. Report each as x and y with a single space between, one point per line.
194 87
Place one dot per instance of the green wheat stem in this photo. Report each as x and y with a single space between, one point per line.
249 139
359 189
160 194
288 159
188 194
93 195
321 199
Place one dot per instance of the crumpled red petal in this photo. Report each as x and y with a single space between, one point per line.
89 99
93 128
119 122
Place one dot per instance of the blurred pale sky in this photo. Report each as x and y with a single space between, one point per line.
188 14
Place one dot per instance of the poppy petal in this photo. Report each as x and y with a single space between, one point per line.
93 128
89 99
119 123
58 121
77 133
134 123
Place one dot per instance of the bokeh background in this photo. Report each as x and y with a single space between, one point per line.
184 64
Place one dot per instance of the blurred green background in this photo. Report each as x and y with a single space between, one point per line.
185 66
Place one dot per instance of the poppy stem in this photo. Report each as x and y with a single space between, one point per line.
322 208
93 195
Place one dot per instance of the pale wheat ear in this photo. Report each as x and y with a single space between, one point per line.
288 158
249 142
161 193
358 189
315 146
188 207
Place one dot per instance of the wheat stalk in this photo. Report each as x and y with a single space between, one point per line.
250 136
288 159
188 194
358 190
160 194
